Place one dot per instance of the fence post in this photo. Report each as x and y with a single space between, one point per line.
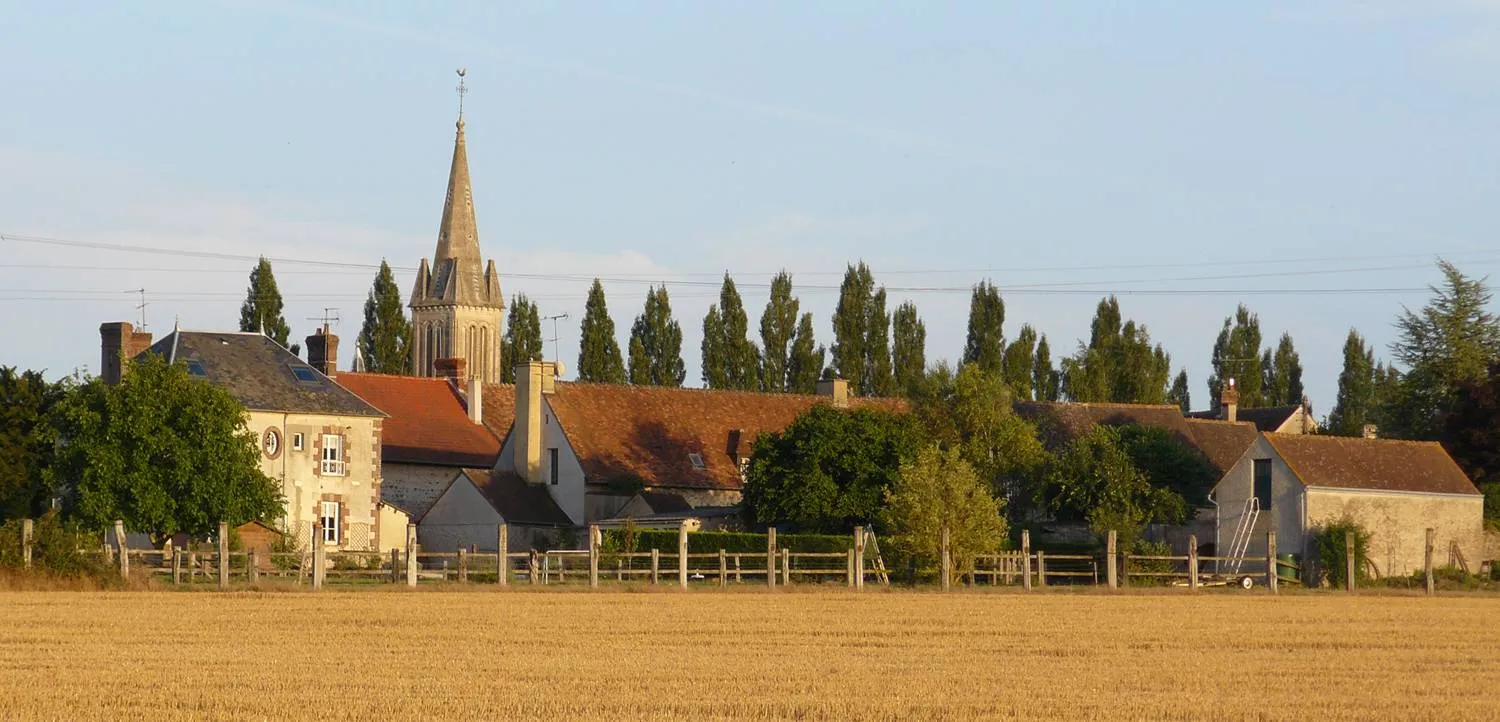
946 562
27 527
1041 568
593 556
1193 562
739 576
120 545
859 558
1273 569
1349 561
223 556
1427 560
655 566
411 555
771 557
682 559
723 569
786 567
176 565
395 565
252 567
1026 559
1111 548
463 565
318 552
502 555
533 567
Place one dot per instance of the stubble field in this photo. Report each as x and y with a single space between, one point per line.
820 655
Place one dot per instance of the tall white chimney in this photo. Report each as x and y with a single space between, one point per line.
476 400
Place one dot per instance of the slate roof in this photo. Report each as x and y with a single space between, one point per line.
663 503
1221 442
428 420
646 433
259 373
1341 462
1269 419
517 501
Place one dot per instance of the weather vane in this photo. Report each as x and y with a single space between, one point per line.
462 91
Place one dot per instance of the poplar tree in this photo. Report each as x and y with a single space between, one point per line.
1018 364
262 310
881 380
805 362
778 324
598 352
1046 381
1119 364
656 343
1180 395
909 350
523 337
1237 356
730 358
384 337
985 342
1283 374
1356 398
851 327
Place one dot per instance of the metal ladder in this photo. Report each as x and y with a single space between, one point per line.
1242 533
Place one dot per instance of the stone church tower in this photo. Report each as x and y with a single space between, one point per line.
456 306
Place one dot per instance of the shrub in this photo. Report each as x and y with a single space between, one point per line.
55 547
1330 541
1151 566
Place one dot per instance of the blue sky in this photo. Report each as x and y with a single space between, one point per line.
1115 147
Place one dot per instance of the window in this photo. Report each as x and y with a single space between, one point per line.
297 441
195 368
331 518
697 460
1263 483
304 374
552 465
333 455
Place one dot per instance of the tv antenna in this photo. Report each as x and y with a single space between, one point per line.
141 306
330 315
554 320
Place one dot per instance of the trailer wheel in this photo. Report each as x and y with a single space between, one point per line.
1247 582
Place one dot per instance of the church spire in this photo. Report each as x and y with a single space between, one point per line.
458 233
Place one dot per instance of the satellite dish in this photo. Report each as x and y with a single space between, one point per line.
558 369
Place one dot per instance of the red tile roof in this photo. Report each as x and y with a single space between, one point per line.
1342 462
427 420
646 433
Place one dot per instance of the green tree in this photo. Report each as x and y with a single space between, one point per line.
1019 363
1094 479
851 327
1119 364
27 440
1237 356
1449 342
261 311
163 451
1179 393
1471 433
1169 463
829 470
778 326
384 337
881 380
985 341
909 353
939 490
1354 406
656 344
523 337
1283 374
599 358
730 358
1046 381
805 363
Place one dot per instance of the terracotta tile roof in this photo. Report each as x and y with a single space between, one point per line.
1342 462
517 501
427 421
646 433
499 409
1221 441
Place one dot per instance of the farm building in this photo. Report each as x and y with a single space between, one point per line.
1294 484
468 512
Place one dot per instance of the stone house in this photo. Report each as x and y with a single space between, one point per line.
1294 484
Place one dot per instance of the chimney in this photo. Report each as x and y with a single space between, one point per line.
528 428
836 389
453 369
323 351
476 400
1229 402
1370 431
118 343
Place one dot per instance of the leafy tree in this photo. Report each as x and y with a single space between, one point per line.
1237 356
829 470
1046 381
1333 551
1119 364
598 352
384 337
1449 342
1356 400
985 342
1018 362
1283 374
1169 462
656 344
851 326
730 358
523 337
778 325
261 311
805 363
1179 393
939 490
1094 479
1471 433
27 440
909 354
161 450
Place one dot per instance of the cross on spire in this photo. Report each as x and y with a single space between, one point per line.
462 91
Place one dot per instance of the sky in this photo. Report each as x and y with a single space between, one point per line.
1308 159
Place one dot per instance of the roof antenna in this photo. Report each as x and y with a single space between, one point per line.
555 353
330 315
142 306
462 91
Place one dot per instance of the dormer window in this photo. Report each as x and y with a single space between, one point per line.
697 460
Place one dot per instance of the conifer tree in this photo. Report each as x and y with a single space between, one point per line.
656 343
805 362
908 353
881 380
1046 381
1237 356
1018 363
985 342
851 327
1449 343
384 337
1180 394
730 359
1356 397
1283 374
778 324
262 310
523 337
598 352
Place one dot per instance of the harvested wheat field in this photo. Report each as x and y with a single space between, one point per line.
493 655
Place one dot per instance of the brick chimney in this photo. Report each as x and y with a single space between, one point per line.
1229 402
836 389
323 351
453 369
118 343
